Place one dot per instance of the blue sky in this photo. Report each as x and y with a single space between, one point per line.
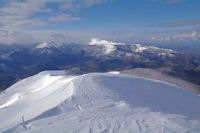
78 21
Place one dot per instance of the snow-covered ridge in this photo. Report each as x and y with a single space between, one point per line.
161 51
52 101
109 47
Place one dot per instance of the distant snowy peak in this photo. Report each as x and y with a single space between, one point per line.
95 41
108 46
48 45
42 45
139 48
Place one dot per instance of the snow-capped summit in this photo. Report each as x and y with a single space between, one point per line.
52 101
95 41
48 45
42 45
108 46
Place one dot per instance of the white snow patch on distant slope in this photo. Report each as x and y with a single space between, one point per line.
42 45
140 48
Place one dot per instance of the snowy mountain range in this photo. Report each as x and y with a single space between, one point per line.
104 47
109 47
54 101
18 62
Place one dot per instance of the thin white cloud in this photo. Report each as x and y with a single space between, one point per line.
84 37
74 5
177 23
23 14
17 16
63 18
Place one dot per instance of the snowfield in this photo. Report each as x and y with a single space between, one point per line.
53 102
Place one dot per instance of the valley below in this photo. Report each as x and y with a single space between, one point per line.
20 62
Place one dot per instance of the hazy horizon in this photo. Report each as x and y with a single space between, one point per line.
159 22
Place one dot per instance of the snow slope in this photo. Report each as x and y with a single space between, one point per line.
53 102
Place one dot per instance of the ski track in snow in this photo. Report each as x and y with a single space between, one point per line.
97 103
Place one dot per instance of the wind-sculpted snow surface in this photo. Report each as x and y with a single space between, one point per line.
53 102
